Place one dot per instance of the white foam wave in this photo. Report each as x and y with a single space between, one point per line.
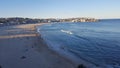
65 31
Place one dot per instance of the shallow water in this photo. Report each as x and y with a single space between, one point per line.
98 43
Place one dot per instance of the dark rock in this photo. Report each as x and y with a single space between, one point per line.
23 57
81 66
0 66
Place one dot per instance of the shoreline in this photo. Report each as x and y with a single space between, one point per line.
72 58
22 47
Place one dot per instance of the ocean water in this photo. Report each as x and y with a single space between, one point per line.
97 43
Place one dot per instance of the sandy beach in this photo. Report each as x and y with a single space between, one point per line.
22 47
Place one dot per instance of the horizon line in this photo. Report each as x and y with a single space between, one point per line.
57 18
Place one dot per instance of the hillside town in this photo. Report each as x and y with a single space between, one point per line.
18 20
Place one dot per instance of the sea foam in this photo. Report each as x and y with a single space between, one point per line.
65 31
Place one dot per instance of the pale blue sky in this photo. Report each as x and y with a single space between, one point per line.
60 8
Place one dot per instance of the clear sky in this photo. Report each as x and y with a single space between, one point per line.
60 8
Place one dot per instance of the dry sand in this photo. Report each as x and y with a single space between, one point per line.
22 47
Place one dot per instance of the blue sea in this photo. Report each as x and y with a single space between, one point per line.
94 42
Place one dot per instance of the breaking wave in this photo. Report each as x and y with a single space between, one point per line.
65 31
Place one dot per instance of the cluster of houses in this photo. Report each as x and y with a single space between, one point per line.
79 20
16 20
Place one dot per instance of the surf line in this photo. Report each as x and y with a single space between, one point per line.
65 31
